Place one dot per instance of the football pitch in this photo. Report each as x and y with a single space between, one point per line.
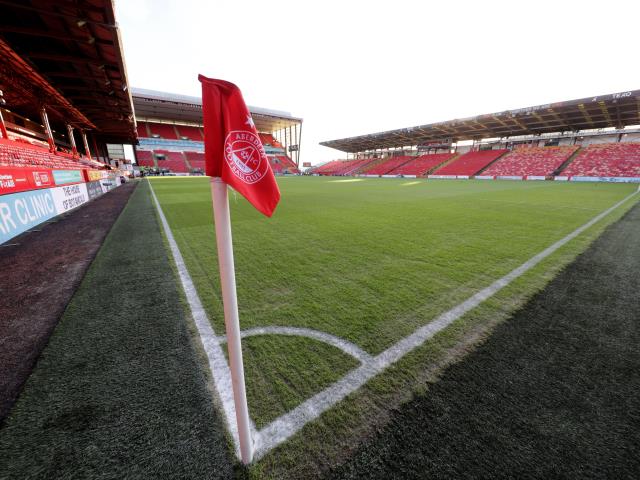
348 270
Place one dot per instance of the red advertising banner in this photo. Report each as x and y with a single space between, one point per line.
14 180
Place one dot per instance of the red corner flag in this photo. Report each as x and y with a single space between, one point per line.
232 147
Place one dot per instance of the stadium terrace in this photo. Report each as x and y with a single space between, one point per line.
171 137
591 139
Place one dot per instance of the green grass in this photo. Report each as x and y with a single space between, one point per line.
270 393
553 393
370 261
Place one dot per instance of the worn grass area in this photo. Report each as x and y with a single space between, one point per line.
119 392
370 261
553 393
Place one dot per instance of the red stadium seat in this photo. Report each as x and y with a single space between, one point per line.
164 130
173 161
269 140
386 166
21 154
190 133
142 130
470 163
538 161
145 158
196 160
606 160
422 164
343 167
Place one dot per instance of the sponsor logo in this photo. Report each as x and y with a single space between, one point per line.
41 179
245 156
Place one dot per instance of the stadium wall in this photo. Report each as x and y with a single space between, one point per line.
61 192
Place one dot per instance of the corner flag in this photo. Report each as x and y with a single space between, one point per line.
233 150
234 156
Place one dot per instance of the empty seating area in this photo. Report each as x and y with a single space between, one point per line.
189 133
538 161
269 140
386 166
173 161
353 166
606 160
145 158
422 164
288 164
276 165
331 168
470 163
163 130
19 154
142 130
196 160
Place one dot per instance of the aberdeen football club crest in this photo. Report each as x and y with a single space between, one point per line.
245 155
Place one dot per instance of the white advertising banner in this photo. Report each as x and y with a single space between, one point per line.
606 179
69 197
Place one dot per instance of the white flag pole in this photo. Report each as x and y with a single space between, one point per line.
231 319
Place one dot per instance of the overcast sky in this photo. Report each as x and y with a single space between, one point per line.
355 67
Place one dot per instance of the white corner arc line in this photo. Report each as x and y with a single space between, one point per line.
217 361
291 422
344 345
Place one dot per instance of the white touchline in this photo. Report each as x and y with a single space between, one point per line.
291 422
217 361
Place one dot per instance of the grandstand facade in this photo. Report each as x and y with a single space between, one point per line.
64 98
591 139
171 135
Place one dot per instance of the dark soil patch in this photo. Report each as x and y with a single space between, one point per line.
38 278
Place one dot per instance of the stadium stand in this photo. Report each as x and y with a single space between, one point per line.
163 130
606 160
276 165
268 140
470 163
173 161
422 164
534 161
356 168
190 133
177 126
334 166
20 154
145 158
195 160
387 166
288 164
141 128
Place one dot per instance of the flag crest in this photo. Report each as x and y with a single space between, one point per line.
232 146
